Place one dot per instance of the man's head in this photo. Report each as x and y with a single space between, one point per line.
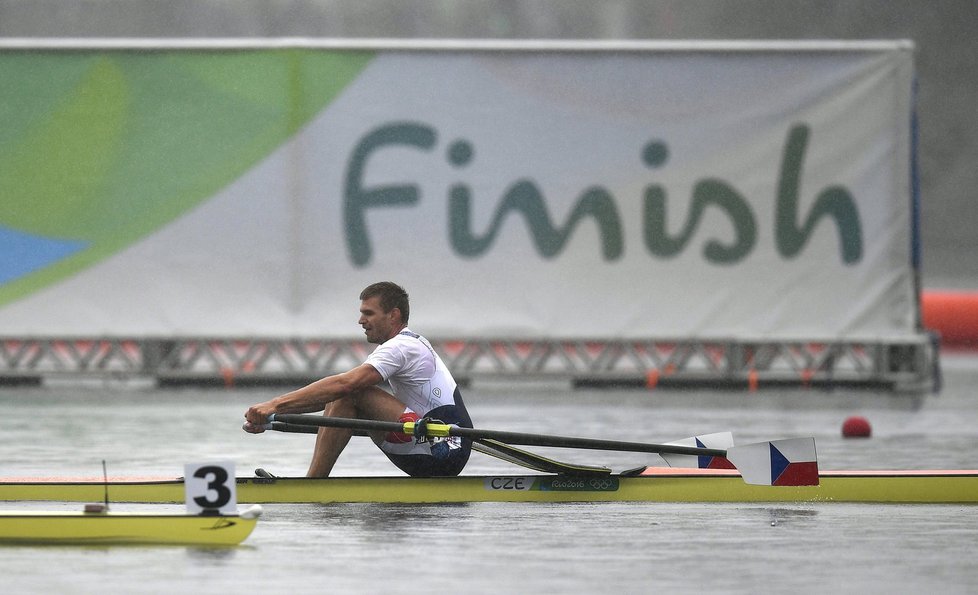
384 310
391 296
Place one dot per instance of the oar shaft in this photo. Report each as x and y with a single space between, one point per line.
369 425
279 426
522 439
514 438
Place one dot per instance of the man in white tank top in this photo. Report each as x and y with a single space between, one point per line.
421 386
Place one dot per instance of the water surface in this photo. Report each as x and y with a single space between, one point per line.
513 548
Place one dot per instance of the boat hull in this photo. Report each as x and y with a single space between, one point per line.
655 485
116 528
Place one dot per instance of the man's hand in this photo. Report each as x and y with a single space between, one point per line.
252 428
256 417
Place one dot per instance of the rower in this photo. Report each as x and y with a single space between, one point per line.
419 387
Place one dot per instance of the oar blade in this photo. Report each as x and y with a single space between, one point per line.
788 462
718 440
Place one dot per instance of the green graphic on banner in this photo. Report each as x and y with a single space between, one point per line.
100 149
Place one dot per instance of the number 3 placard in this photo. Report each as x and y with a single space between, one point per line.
209 488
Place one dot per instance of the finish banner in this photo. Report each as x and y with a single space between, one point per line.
538 191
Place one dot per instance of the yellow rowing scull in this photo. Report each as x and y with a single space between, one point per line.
651 485
100 526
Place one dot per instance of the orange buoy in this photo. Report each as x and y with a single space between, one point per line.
228 374
856 426
953 314
652 378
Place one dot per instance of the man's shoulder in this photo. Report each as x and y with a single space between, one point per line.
404 340
409 343
405 337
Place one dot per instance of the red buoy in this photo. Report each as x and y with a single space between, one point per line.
856 427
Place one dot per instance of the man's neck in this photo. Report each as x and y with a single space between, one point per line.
396 331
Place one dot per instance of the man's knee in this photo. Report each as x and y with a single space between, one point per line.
374 403
345 406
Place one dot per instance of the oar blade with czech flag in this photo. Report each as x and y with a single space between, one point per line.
788 462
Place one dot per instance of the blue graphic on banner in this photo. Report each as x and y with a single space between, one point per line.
23 253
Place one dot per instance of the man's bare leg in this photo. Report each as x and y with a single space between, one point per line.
372 403
330 442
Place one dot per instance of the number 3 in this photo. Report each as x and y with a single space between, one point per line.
218 485
210 487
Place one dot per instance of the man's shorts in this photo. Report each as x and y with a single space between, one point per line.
416 459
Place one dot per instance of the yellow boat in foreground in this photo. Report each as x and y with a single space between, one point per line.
105 527
657 484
